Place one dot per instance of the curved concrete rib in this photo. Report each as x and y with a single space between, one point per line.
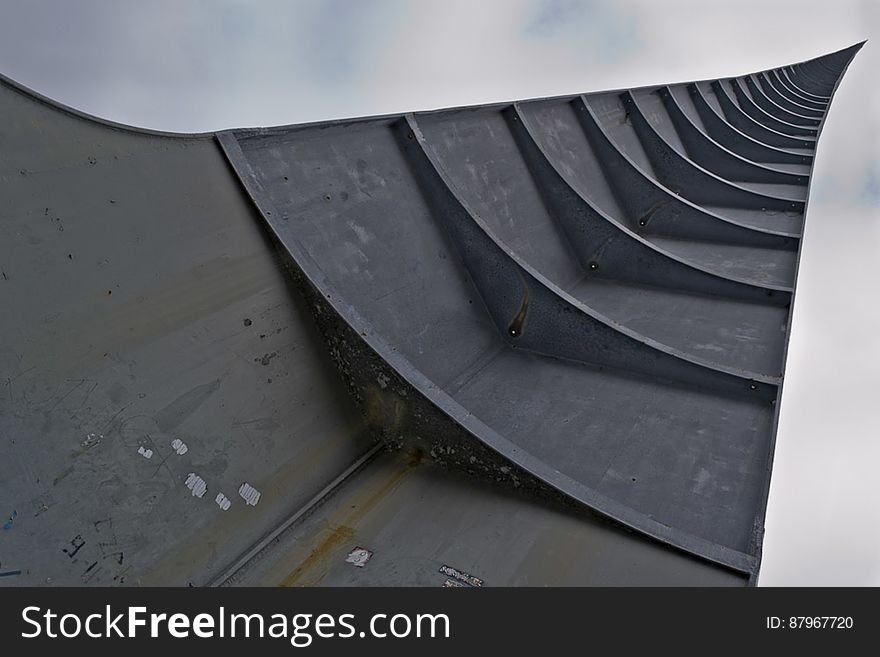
659 210
778 82
774 109
807 82
771 90
739 141
605 247
600 248
708 153
742 121
748 105
533 313
764 83
787 77
676 171
616 263
803 81
821 74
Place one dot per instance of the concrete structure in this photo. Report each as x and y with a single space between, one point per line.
568 318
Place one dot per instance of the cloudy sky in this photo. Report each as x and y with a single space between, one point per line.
202 65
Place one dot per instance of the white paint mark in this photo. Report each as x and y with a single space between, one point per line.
250 494
359 557
361 232
179 446
146 453
196 484
702 481
92 439
223 502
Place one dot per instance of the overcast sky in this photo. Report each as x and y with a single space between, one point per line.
203 65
